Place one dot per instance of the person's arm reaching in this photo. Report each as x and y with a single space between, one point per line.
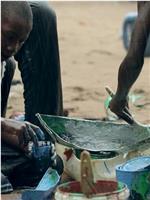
132 65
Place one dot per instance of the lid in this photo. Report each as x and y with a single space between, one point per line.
136 164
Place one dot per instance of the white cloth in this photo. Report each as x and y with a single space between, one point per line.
3 68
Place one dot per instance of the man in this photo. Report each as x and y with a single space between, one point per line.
33 34
132 65
38 61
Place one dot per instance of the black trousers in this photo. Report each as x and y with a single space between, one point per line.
39 64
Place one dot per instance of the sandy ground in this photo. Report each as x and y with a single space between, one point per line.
90 52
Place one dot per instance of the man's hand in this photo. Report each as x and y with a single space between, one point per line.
18 134
119 105
120 108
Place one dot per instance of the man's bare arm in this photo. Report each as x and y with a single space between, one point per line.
132 64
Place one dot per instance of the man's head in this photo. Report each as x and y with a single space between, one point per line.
16 24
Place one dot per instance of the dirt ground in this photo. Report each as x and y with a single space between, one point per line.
91 51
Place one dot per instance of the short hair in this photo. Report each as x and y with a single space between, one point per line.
16 8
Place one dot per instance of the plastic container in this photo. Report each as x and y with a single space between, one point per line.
105 190
103 169
136 174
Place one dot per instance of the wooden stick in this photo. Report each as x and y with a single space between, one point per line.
87 179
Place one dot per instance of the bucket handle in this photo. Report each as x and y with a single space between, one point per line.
87 178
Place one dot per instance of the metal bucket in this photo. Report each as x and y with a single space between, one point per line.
96 135
136 174
71 133
105 190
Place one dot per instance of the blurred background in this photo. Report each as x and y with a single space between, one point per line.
91 50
